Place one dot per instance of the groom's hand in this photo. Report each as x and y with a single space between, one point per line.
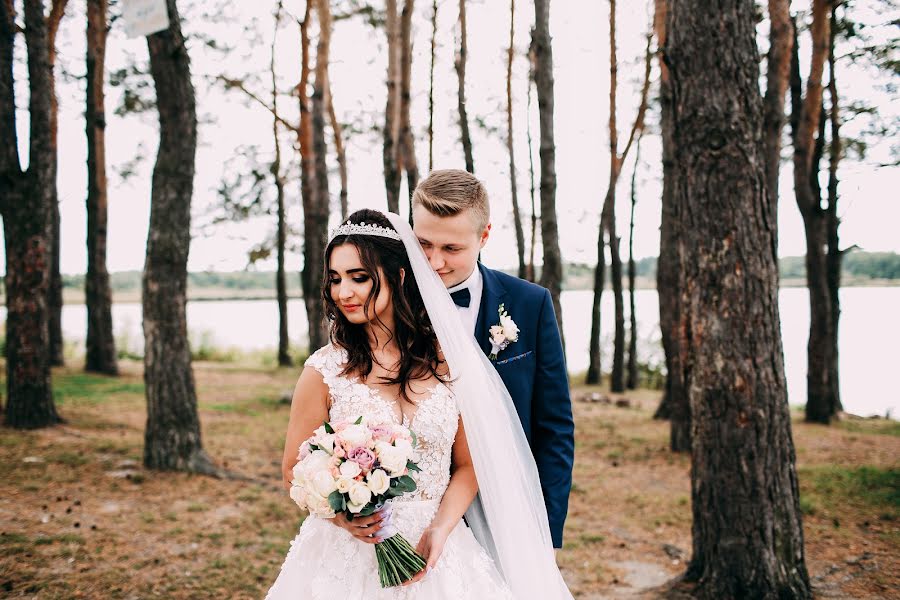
365 529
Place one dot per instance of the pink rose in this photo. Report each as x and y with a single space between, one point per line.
382 433
339 452
304 451
362 456
339 425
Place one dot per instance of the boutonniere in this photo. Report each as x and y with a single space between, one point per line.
503 333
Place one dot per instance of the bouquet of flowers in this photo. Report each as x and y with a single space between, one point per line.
354 468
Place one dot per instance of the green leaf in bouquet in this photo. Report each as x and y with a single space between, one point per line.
410 465
328 427
408 482
358 421
336 501
369 509
313 447
415 439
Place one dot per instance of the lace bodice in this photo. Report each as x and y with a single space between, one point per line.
435 421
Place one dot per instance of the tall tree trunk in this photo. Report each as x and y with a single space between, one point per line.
674 405
632 341
552 272
747 531
460 64
534 218
55 299
392 171
100 343
517 215
407 146
608 222
26 203
340 151
781 39
835 255
284 355
315 215
821 405
172 436
434 13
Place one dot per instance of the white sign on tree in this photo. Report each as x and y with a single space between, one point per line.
145 17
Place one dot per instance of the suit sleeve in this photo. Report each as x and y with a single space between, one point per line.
553 429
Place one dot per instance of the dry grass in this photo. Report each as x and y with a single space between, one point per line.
80 518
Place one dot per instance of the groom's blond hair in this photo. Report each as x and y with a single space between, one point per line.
449 192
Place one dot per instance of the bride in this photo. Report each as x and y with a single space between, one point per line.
399 353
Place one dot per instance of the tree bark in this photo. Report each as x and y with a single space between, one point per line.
407 146
460 65
835 255
781 40
534 218
284 355
392 172
434 13
633 381
315 215
517 215
747 531
551 273
172 438
821 403
340 151
27 204
100 342
674 405
55 299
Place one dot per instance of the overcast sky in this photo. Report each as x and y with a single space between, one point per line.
869 205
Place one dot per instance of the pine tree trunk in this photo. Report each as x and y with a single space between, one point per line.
821 404
284 355
392 174
747 531
633 379
315 221
781 39
172 437
100 343
460 65
407 146
434 13
514 190
835 255
26 203
617 376
594 373
534 218
551 273
340 151
55 299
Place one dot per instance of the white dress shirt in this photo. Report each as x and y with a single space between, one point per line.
475 284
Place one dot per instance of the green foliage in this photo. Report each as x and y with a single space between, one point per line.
864 486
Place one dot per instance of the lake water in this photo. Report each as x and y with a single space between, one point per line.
869 336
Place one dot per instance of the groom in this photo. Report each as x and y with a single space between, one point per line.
451 218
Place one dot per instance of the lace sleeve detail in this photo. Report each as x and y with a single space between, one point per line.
327 360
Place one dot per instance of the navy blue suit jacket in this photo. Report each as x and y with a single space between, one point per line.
534 371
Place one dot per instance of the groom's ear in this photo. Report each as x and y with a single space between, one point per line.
485 235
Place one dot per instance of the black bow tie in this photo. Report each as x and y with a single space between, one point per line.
462 297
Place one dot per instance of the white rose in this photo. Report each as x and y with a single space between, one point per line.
298 495
392 459
355 508
326 442
378 482
323 483
344 485
404 446
349 469
318 460
319 506
355 435
360 493
510 329
496 331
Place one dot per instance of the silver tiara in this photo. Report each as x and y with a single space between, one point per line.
363 229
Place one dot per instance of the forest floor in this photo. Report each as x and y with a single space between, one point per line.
81 518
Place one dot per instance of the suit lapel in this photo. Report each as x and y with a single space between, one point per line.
492 294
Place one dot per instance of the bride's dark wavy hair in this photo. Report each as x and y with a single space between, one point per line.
413 332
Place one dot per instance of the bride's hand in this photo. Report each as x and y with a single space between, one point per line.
430 547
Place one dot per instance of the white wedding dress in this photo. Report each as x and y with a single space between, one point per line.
326 562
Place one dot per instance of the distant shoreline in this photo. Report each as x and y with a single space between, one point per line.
73 296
